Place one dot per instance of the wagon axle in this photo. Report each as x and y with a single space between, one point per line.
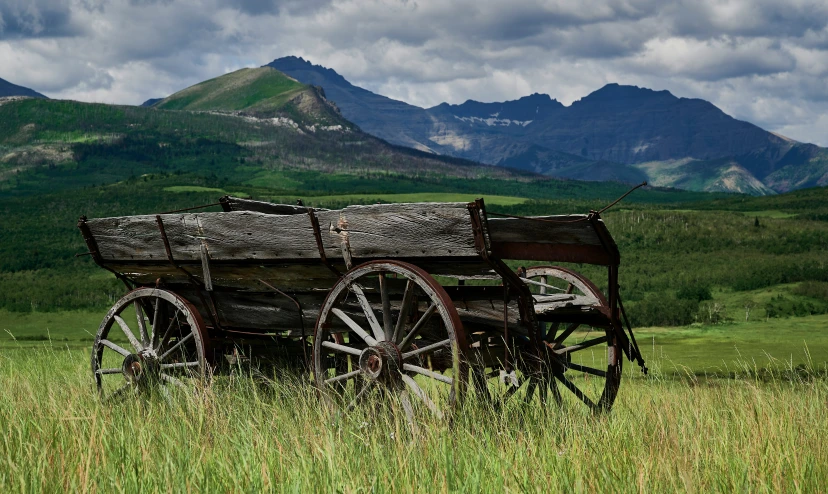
141 368
381 362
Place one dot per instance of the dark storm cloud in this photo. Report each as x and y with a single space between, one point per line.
259 7
35 18
761 60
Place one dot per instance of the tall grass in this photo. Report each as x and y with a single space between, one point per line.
747 435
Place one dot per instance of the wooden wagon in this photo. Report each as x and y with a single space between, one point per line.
432 301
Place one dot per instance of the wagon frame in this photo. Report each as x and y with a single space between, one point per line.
355 292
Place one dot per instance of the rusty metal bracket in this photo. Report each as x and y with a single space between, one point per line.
633 353
199 286
317 233
526 306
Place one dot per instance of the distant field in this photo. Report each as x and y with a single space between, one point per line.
415 197
697 349
367 198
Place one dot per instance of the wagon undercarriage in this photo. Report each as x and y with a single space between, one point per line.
430 302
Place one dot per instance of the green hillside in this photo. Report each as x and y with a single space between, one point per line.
48 145
261 92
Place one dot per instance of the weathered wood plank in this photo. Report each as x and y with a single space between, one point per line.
239 204
401 230
379 231
569 231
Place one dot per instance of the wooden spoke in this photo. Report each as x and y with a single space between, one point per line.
118 392
428 373
577 392
556 393
551 331
408 296
362 392
543 285
114 370
417 327
428 348
530 390
386 307
341 348
418 392
581 346
175 347
128 332
142 323
156 320
172 380
379 334
480 383
343 377
180 365
407 408
354 326
114 347
168 333
586 370
568 331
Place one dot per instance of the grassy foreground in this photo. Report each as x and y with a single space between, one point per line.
663 435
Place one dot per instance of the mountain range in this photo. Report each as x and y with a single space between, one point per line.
249 127
623 133
8 89
617 133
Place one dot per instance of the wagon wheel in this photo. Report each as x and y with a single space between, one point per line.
583 359
411 350
159 341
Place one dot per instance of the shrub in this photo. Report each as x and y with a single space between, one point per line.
659 309
699 293
813 289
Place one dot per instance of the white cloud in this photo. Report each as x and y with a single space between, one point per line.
765 61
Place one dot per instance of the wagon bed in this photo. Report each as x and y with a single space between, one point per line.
257 271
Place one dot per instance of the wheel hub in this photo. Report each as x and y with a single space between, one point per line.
139 368
381 362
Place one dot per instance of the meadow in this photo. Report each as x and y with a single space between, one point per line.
748 433
728 295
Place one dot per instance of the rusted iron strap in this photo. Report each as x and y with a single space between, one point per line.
530 218
634 351
543 220
319 245
526 306
92 245
199 286
613 203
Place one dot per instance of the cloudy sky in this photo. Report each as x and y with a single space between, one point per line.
765 61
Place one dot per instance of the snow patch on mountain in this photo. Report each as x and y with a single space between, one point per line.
494 121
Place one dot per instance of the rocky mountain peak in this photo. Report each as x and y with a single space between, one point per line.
9 89
620 93
311 74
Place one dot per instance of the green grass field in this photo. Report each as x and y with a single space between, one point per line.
664 434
